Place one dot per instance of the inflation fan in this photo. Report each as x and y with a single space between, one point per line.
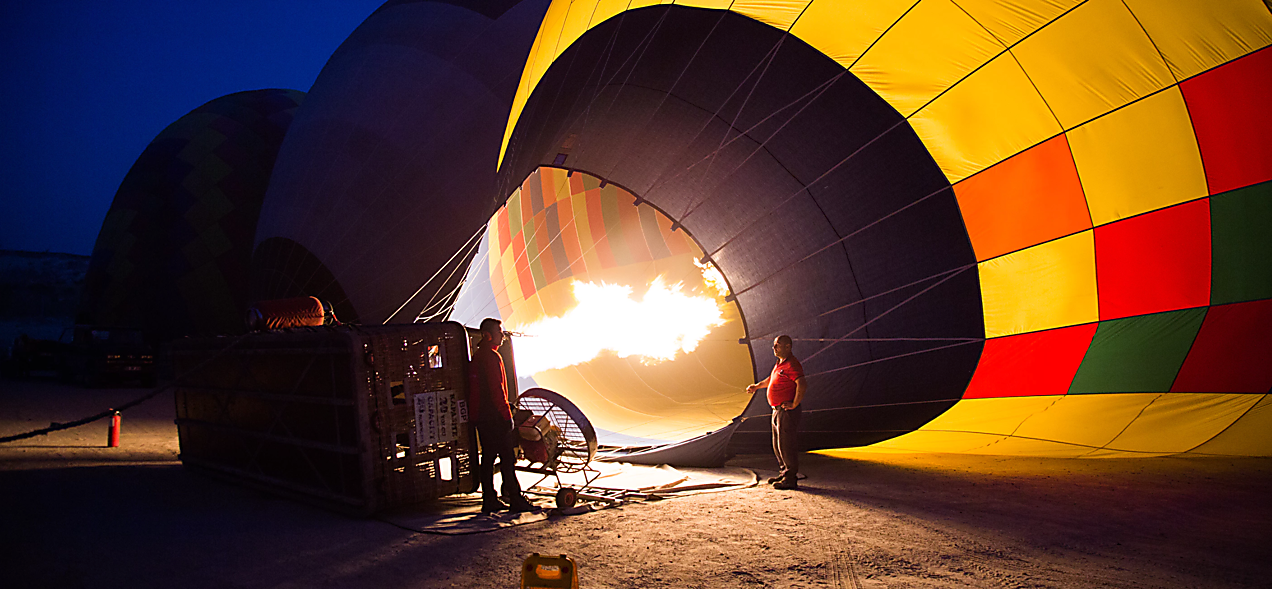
559 439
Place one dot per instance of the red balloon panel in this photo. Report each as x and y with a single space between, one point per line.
1159 261
1038 363
1229 106
1232 353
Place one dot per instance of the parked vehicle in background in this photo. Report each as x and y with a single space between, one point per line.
95 356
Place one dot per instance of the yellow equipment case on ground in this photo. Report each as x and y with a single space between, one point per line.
549 572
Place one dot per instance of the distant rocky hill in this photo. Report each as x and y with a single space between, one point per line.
40 285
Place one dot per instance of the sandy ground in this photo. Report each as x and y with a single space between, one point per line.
80 515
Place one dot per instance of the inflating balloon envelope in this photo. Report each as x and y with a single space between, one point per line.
1013 227
998 227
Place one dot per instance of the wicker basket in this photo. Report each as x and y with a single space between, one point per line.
359 419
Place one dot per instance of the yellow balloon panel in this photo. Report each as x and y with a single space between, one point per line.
1091 61
1250 435
640 3
1196 35
779 14
1030 424
578 19
1094 426
604 9
1046 286
543 52
929 50
922 441
985 119
1085 420
713 4
1086 58
844 30
999 416
1179 422
1035 447
1139 159
1010 22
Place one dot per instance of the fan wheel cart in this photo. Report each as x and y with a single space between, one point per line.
556 436
354 418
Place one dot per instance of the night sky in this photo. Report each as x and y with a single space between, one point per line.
87 85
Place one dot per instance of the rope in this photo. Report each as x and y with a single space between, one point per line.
815 93
461 249
448 300
767 214
872 406
766 415
829 245
894 308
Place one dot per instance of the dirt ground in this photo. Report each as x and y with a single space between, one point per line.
80 515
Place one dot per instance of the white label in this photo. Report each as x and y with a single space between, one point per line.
437 417
425 419
463 410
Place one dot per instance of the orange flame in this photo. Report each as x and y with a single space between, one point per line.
662 324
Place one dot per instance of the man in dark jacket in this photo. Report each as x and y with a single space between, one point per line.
491 416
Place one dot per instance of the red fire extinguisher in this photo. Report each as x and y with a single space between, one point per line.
112 435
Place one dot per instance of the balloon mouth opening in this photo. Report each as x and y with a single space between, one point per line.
613 305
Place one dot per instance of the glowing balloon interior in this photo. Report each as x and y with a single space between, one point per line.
613 308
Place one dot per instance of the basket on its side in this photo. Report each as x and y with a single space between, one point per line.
358 419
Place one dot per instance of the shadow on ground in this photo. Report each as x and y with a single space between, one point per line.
1177 515
80 515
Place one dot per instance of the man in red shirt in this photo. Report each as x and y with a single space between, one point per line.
491 416
786 386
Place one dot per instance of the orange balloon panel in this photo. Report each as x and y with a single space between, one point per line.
1031 198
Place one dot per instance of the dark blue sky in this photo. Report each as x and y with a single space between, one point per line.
87 85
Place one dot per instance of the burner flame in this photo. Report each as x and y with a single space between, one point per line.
662 324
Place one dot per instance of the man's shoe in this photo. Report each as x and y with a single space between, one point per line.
786 485
489 506
520 505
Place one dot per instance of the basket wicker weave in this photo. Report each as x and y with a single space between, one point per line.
359 419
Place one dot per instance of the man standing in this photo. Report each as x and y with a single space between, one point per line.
491 416
786 387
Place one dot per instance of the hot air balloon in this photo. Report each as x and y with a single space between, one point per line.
389 170
174 252
1015 227
1029 227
